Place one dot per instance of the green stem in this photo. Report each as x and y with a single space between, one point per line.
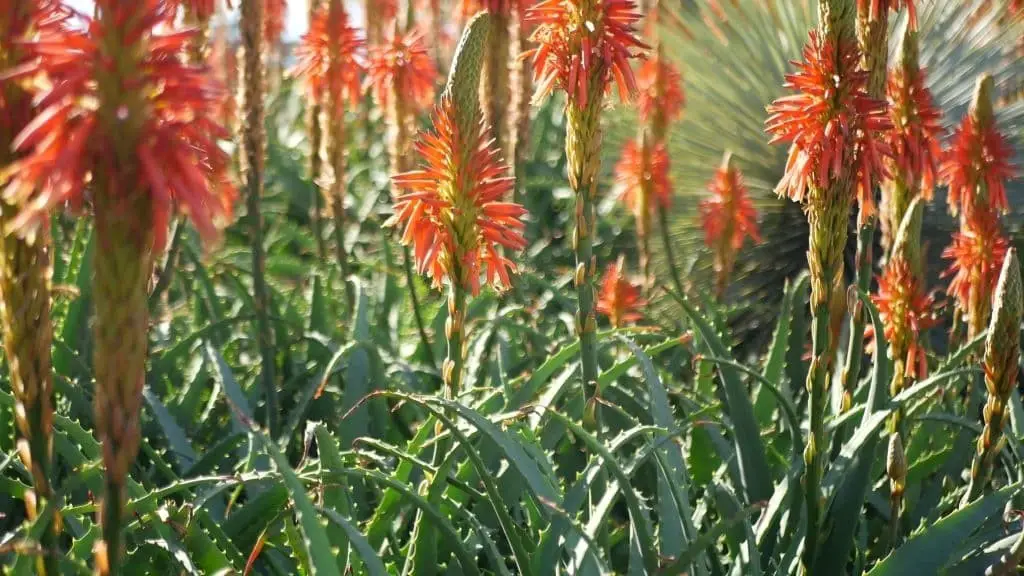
417 312
454 331
816 382
253 146
583 144
170 260
855 346
666 241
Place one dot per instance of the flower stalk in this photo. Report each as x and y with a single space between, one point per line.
728 217
581 45
141 134
825 171
25 276
453 210
1002 355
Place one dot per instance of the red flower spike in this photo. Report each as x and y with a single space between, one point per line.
877 8
977 253
917 131
660 89
453 214
405 60
906 311
619 298
18 20
167 108
274 13
313 57
728 210
582 45
639 170
825 122
976 156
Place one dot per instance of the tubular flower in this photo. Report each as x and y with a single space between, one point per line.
619 299
453 213
403 66
660 88
642 173
906 311
327 36
916 132
976 253
834 130
582 45
274 13
876 8
976 166
166 105
728 217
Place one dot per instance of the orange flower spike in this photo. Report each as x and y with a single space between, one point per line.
976 252
619 298
728 214
915 138
906 311
977 163
582 45
165 107
313 64
878 7
274 14
403 65
452 209
825 123
660 88
642 173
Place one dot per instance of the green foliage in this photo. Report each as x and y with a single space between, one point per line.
697 468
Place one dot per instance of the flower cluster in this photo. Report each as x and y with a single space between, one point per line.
642 174
166 106
404 66
916 130
976 166
660 90
976 253
619 298
326 57
834 126
906 311
728 216
582 45
452 208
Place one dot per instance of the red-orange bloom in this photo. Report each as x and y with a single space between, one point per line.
452 207
834 126
274 13
582 45
728 213
642 170
329 37
660 88
403 61
906 311
917 130
18 19
877 8
166 106
977 253
619 298
976 157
